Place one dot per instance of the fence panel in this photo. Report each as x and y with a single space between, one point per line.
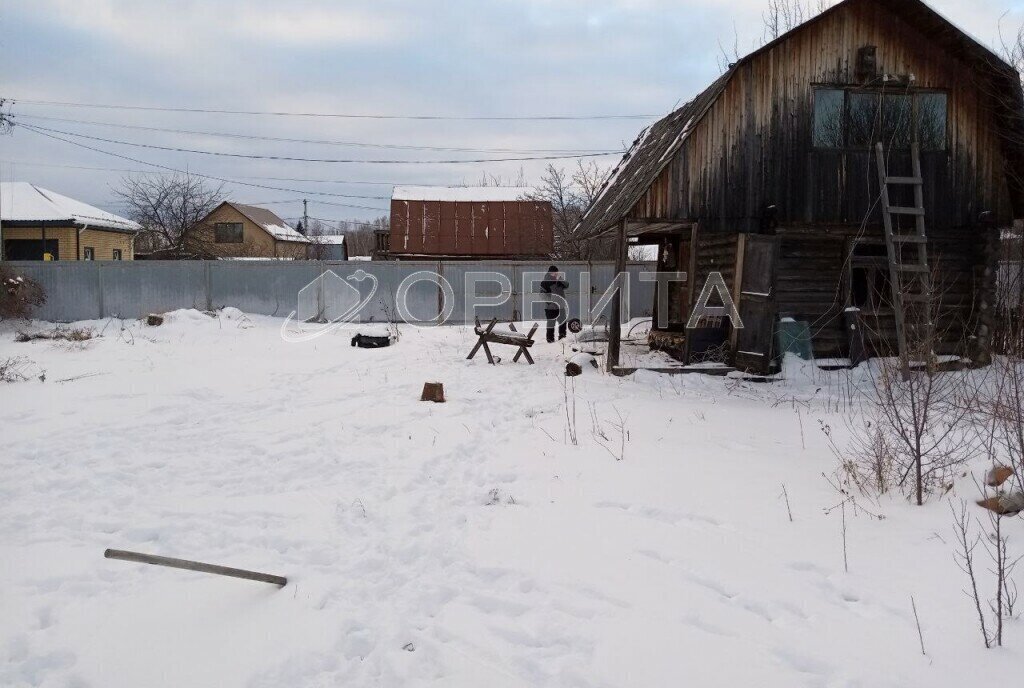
127 291
72 289
131 289
263 287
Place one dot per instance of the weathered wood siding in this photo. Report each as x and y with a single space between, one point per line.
753 147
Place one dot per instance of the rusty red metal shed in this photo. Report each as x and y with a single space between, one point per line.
469 222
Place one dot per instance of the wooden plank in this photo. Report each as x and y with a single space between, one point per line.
620 371
614 326
194 566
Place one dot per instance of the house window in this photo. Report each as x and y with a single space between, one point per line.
860 118
117 254
228 232
88 253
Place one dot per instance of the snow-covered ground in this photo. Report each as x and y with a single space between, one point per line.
471 543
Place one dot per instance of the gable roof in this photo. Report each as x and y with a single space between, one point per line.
269 222
337 239
654 147
26 202
643 162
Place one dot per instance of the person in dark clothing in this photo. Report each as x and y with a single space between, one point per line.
554 283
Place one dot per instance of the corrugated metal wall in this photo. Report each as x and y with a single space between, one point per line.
493 228
132 289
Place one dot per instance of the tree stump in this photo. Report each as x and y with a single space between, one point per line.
154 320
433 391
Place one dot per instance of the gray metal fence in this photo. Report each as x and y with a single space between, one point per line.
131 289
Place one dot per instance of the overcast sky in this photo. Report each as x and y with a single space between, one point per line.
391 57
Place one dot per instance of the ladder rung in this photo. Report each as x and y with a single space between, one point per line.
904 180
898 210
910 238
913 268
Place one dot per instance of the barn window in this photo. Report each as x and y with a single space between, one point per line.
869 276
863 122
828 117
931 120
117 254
228 232
88 253
859 118
897 109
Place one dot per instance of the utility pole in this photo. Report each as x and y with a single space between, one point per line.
6 125
305 217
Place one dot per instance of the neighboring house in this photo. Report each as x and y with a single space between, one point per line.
234 230
328 247
467 222
39 224
770 177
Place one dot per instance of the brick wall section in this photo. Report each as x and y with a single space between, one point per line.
104 243
71 245
65 237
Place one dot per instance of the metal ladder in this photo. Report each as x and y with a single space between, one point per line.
911 281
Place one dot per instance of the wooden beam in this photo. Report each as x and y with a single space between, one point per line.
195 566
614 324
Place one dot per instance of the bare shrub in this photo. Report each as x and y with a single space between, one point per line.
925 419
13 369
869 461
58 334
995 543
19 295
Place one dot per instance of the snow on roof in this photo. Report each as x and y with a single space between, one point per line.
25 202
331 239
479 194
269 221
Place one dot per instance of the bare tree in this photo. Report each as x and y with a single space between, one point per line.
318 247
170 209
784 15
360 235
571 193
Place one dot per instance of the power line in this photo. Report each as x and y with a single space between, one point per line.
251 156
215 111
319 142
206 176
272 179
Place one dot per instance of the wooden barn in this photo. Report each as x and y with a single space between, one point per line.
468 222
856 166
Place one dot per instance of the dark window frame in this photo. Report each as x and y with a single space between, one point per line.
879 93
220 227
869 259
117 254
88 253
